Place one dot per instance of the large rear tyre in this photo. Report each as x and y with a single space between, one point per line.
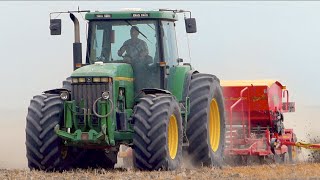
157 141
206 121
44 149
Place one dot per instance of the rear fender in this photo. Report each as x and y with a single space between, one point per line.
155 91
187 82
177 79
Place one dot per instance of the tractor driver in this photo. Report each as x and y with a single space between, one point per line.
135 48
137 54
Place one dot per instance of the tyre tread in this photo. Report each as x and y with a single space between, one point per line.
202 87
150 151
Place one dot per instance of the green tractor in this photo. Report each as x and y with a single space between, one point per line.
133 90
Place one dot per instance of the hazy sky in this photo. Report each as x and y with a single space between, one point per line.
235 40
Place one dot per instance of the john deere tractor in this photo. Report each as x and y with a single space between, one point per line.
150 101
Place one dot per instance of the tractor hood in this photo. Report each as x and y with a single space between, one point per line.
104 69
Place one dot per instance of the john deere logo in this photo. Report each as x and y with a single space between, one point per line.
89 80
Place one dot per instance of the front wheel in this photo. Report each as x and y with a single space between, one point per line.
206 121
45 150
157 141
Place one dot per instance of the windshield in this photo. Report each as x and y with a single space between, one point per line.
125 40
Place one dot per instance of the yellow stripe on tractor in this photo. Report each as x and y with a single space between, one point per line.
123 79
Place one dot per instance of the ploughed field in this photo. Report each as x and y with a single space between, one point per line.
270 171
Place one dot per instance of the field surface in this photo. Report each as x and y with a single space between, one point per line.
291 171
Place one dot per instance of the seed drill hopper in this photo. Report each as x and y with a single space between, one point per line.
254 113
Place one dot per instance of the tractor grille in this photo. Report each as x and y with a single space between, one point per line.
89 92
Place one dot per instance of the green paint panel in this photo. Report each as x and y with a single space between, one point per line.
176 80
106 69
121 73
132 15
93 138
122 136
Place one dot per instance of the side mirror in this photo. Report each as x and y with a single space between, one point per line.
191 26
55 26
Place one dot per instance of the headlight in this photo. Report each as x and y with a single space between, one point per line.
91 79
105 95
104 79
96 79
75 80
82 80
64 95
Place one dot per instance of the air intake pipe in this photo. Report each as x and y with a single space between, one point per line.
77 46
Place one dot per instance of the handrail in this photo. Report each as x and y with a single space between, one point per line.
231 109
283 95
249 114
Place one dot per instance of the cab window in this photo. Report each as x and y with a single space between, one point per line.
107 37
169 43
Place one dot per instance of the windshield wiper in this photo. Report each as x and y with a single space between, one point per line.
138 30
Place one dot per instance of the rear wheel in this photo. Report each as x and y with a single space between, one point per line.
45 150
157 141
206 121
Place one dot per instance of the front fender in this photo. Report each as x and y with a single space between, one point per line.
56 91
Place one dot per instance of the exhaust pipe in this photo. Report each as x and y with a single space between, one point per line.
77 46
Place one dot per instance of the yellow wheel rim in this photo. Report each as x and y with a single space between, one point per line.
173 136
214 125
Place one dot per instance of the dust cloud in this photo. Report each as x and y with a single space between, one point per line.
12 138
305 123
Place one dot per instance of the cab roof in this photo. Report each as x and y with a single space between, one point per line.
131 14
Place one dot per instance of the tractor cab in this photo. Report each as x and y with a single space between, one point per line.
144 39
